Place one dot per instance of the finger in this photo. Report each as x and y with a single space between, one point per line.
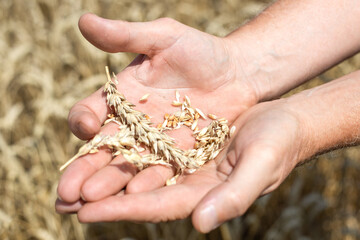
162 204
158 175
109 180
86 117
79 171
255 172
137 37
167 203
65 207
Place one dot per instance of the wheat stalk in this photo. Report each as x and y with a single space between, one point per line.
158 142
136 129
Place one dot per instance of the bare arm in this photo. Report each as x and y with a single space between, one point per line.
286 45
293 41
331 113
276 136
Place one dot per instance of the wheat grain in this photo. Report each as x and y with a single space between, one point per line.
212 116
144 98
176 103
135 129
201 113
194 124
232 131
177 96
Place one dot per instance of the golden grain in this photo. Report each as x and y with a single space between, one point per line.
232 131
212 116
177 96
187 100
144 98
177 103
194 124
201 113
164 124
162 148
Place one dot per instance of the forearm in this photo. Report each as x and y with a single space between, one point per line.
293 41
330 114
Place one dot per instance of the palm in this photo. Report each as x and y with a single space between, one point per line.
220 95
162 204
194 63
260 137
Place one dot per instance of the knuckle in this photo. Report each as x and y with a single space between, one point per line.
166 20
271 161
168 25
81 219
81 216
238 203
133 187
265 153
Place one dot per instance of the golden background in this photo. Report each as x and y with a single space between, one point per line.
46 66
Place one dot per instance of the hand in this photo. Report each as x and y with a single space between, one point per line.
97 177
173 56
268 145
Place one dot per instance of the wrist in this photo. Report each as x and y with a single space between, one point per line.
250 65
329 114
264 66
286 45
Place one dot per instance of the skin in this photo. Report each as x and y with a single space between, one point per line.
257 62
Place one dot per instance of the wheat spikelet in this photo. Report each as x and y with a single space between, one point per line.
135 129
158 142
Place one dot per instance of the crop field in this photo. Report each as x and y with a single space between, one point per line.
46 66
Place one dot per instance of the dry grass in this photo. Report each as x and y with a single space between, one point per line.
44 62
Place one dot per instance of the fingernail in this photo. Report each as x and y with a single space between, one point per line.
208 219
58 195
59 198
82 197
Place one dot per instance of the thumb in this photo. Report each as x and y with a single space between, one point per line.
256 172
137 37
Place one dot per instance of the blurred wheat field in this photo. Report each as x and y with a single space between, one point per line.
46 66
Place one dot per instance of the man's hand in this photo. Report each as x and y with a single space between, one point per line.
268 145
223 76
272 138
173 56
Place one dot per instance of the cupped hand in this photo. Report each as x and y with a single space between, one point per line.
270 141
172 57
